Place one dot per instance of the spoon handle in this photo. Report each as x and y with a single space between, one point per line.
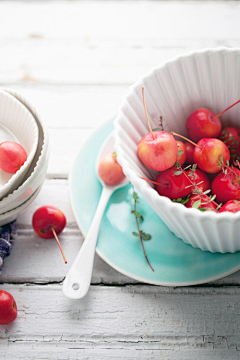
78 279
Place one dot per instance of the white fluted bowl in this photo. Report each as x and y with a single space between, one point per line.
208 78
35 175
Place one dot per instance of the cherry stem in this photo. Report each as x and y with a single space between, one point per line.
146 113
153 182
140 235
55 235
173 133
225 110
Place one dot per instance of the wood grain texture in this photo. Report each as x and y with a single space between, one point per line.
75 61
36 260
146 319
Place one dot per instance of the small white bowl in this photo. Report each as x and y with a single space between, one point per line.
14 213
16 124
207 78
36 172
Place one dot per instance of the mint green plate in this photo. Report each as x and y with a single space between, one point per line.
174 262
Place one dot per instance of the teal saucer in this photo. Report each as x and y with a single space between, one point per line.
174 262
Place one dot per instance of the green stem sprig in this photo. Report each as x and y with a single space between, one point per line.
142 235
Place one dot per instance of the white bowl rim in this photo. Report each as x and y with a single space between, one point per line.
162 200
10 184
19 191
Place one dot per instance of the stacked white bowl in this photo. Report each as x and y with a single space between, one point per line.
208 78
20 122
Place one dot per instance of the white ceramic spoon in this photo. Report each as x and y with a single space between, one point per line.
78 279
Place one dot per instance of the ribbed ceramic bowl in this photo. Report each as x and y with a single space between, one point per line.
16 124
208 78
36 172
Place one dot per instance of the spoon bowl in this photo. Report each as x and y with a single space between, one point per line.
77 281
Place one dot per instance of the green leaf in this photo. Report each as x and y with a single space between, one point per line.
146 236
180 152
202 209
178 172
206 192
135 234
221 159
156 129
137 214
196 204
135 195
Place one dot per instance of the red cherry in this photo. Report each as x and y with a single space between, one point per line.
207 154
205 202
231 206
109 170
231 137
48 222
189 153
8 308
226 186
200 179
203 123
158 153
12 156
182 157
157 150
171 185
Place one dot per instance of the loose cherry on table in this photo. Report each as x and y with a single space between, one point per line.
8 308
158 149
12 156
48 222
109 170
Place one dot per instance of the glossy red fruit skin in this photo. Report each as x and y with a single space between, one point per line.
207 154
12 156
158 154
46 217
231 137
174 186
181 147
230 206
200 125
109 170
225 186
189 153
8 308
199 176
204 199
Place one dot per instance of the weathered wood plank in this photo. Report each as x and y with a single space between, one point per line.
39 261
140 318
74 107
119 51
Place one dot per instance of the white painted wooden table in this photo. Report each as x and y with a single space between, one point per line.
75 60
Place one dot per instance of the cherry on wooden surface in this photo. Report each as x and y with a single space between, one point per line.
48 222
8 308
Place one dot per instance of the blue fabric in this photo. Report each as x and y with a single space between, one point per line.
7 234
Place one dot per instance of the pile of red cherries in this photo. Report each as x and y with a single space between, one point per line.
203 172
